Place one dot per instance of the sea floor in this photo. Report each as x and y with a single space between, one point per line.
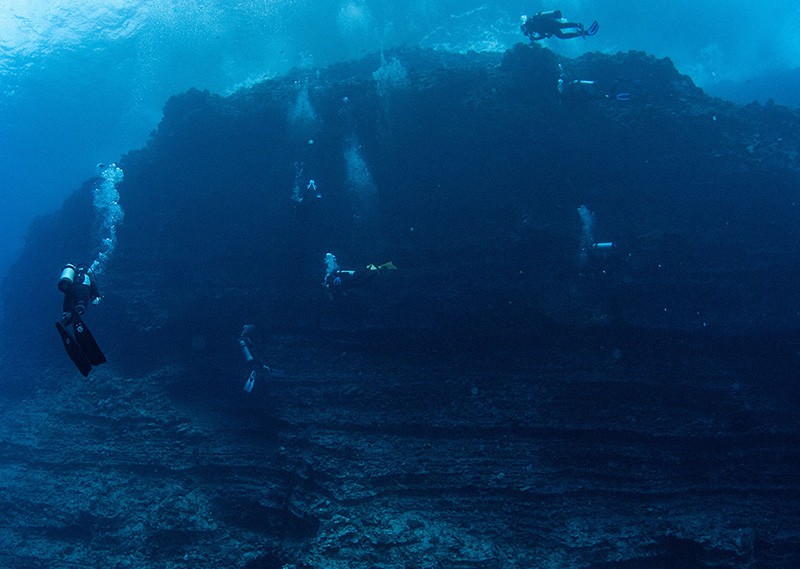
611 454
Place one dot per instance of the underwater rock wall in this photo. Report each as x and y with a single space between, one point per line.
467 171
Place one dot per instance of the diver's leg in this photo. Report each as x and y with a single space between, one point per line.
568 30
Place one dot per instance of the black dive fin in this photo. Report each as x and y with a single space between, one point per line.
86 341
74 351
591 30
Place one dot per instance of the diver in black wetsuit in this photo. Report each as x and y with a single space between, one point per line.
254 362
548 24
80 289
338 281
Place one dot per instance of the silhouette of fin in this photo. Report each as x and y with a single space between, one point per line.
86 341
74 351
251 380
591 30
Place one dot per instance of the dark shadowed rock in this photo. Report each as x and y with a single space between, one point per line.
479 166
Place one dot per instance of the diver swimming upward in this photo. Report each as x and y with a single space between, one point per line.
80 289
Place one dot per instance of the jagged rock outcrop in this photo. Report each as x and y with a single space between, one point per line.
477 165
509 398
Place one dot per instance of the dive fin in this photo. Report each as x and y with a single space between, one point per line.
591 30
74 351
387 266
251 380
87 343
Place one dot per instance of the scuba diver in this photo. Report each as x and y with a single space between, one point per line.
80 288
548 24
338 281
311 192
574 87
255 364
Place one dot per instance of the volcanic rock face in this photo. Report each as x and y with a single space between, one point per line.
510 397
466 171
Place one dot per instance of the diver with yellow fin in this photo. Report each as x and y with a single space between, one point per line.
80 289
338 281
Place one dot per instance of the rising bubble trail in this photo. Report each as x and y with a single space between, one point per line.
108 212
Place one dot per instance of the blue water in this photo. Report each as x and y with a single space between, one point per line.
82 83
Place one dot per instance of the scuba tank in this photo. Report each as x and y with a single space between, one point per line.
248 355
555 14
67 278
